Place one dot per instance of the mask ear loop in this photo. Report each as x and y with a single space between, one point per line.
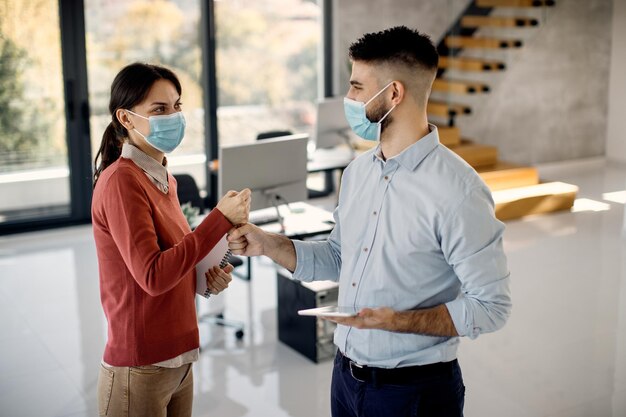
387 114
132 112
377 94
144 117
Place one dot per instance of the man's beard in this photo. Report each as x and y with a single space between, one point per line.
377 113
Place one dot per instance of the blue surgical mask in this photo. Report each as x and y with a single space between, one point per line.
166 131
357 118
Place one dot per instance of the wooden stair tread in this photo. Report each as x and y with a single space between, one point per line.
444 109
504 175
478 42
475 154
497 21
515 3
449 135
470 64
362 145
534 199
459 87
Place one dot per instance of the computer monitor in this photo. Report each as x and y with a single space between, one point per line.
331 126
274 169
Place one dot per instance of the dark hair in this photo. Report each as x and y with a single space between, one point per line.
396 45
130 87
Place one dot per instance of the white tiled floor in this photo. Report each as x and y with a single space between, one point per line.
562 354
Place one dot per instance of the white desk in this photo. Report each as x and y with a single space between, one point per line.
330 159
301 220
327 161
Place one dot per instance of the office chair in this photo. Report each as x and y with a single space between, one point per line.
328 178
273 134
187 191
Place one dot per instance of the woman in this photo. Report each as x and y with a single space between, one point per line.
146 251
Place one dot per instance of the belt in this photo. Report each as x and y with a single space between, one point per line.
396 376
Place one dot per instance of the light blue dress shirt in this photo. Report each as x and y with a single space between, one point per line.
413 232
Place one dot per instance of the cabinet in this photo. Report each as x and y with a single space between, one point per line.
310 336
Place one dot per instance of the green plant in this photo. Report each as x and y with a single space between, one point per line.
190 212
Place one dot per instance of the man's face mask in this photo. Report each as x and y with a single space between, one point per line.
357 117
166 131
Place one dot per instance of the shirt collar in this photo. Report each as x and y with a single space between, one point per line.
411 157
148 164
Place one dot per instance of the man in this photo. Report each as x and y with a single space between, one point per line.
416 246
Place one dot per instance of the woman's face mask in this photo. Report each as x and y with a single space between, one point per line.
166 131
357 117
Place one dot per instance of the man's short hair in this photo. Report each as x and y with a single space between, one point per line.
400 47
396 45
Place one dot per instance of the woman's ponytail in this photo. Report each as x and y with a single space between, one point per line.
110 148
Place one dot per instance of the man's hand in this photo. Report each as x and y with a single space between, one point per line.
368 318
250 240
247 240
433 321
217 279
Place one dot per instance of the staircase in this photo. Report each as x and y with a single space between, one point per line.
517 190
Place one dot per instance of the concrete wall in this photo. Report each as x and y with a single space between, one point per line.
616 137
549 105
353 18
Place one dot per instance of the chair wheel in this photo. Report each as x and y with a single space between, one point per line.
239 334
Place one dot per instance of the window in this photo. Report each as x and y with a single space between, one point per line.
267 55
34 173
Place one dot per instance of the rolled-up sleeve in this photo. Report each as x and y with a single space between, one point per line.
471 241
319 260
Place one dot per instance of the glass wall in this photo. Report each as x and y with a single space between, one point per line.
164 32
267 57
267 54
34 173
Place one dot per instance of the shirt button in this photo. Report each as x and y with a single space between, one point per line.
375 213
364 249
354 284
386 177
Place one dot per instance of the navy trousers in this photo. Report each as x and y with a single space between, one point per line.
439 394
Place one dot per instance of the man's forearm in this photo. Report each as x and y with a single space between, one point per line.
435 321
281 250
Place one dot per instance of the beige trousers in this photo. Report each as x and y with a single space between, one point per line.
145 391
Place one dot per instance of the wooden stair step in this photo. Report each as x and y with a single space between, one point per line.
449 135
475 154
459 87
476 42
534 199
515 3
444 109
470 64
362 145
497 21
504 175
